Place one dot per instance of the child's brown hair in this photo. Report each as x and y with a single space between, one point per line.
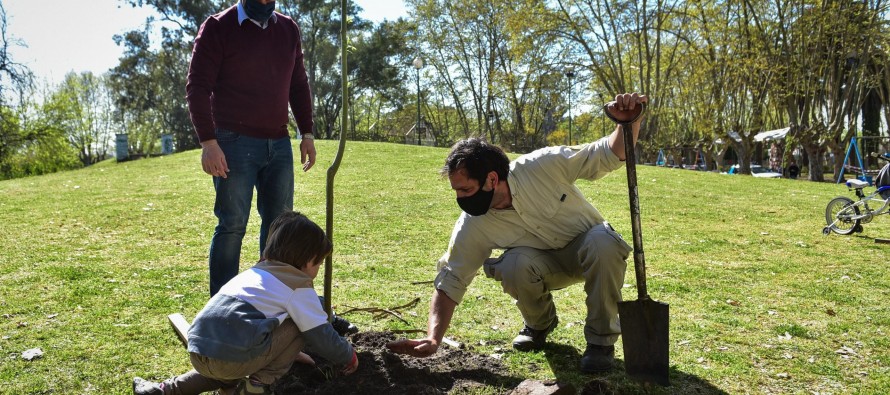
296 240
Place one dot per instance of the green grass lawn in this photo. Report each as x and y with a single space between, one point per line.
92 262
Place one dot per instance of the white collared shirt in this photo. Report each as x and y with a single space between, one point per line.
242 16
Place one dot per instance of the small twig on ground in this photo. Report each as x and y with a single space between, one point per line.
407 305
381 312
421 282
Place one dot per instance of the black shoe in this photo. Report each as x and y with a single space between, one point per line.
533 339
343 327
145 387
597 358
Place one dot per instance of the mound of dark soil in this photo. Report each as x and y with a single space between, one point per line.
381 371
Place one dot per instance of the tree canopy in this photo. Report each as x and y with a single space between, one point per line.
521 73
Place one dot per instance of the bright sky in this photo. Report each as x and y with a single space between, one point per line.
76 35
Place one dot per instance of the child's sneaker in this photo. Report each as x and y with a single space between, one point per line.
249 387
145 387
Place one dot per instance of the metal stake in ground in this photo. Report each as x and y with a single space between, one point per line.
644 322
332 171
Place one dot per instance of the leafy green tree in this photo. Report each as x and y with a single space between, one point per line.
28 146
719 72
14 78
150 83
187 16
81 109
376 79
137 95
821 51
490 70
10 139
169 77
34 144
626 46
319 22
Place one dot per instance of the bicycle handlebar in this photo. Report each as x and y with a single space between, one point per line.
885 157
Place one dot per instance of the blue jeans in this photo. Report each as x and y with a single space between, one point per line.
268 166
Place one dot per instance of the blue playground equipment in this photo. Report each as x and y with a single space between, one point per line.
660 160
864 174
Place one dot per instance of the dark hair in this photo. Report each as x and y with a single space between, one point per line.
296 240
479 158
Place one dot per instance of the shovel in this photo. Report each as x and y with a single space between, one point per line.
644 322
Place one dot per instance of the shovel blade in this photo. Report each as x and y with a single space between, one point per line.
645 333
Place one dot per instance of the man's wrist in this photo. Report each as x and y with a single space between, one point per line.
206 143
307 136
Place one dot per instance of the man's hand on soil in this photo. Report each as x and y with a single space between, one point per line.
420 348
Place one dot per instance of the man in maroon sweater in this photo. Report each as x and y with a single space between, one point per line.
247 66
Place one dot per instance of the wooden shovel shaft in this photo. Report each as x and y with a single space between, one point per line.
631 164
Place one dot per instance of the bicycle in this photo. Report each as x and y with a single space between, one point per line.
845 216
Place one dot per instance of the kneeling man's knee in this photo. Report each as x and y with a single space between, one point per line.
517 268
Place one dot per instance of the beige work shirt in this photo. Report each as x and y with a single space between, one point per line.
548 211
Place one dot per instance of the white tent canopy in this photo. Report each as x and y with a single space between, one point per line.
777 134
732 134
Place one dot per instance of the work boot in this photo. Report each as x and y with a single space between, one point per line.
145 387
533 339
343 327
597 358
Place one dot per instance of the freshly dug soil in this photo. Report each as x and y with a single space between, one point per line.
449 371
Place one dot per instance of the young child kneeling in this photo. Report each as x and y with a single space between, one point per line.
252 331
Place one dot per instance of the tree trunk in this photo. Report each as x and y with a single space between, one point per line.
815 166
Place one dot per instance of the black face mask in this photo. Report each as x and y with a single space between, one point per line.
478 203
258 12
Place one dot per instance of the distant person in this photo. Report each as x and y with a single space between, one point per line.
250 333
246 67
793 170
553 238
774 158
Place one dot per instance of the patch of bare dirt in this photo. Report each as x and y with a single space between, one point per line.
449 371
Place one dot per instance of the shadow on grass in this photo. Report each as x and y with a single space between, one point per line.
877 240
564 361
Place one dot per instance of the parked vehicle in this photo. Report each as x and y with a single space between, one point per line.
757 171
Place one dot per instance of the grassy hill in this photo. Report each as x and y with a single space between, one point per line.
92 261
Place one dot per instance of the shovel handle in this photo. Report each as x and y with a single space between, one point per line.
631 165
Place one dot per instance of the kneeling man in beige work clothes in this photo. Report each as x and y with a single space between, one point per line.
552 235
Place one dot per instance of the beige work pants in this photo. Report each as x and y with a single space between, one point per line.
597 258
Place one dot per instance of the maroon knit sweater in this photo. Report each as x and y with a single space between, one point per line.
242 78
